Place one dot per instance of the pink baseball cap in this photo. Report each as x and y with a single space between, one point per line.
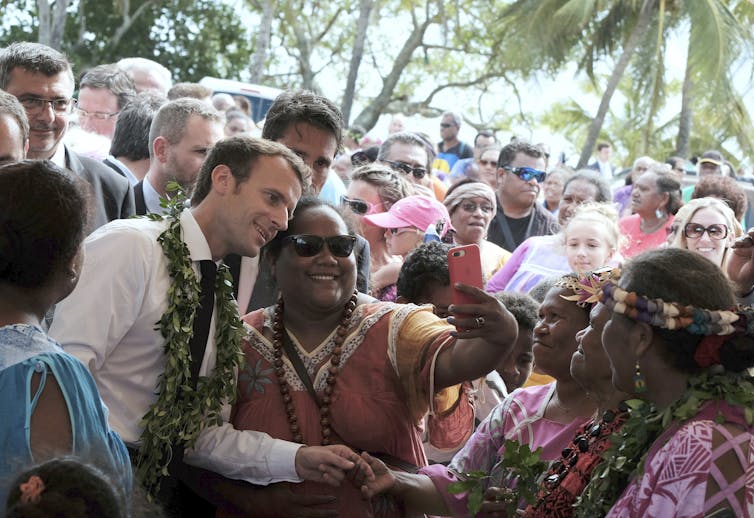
413 211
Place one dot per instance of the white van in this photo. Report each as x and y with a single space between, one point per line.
259 96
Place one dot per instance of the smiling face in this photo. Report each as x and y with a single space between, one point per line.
471 219
316 147
587 244
514 192
590 366
252 212
646 197
555 333
47 126
712 249
324 282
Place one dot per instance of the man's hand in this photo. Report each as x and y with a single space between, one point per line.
741 263
327 464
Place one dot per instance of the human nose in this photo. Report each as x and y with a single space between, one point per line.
45 113
540 328
280 219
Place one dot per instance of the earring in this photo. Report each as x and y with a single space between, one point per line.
640 384
658 213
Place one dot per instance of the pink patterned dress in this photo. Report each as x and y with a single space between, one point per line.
379 399
519 417
682 468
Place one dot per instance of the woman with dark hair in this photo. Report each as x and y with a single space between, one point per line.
677 343
50 401
655 199
329 365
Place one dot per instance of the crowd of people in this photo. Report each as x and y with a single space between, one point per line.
201 315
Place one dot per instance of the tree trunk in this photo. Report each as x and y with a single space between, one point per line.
629 48
684 121
369 115
262 46
365 9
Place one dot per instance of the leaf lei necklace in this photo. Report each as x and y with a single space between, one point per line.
628 451
181 411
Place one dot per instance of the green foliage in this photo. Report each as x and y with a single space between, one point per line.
521 471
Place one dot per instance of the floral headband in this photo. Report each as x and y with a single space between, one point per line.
715 325
31 490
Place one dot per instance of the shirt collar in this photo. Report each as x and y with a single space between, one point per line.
194 238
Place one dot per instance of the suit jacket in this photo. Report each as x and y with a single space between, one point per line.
265 290
112 195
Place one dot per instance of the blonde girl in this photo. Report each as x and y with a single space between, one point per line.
592 238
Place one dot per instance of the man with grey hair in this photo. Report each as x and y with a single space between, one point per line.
409 154
148 75
450 148
181 134
42 80
103 92
14 129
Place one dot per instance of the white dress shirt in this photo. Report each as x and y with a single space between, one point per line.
151 198
109 322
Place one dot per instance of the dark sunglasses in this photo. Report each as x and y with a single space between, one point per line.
695 231
360 158
306 245
490 163
356 205
446 125
527 173
418 172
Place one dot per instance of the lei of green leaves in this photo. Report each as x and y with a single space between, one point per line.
181 411
521 468
624 459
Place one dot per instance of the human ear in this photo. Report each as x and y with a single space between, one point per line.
641 336
160 147
222 179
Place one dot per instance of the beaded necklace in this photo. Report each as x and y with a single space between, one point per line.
567 477
323 402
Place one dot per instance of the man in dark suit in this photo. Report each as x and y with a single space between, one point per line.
42 80
180 136
602 165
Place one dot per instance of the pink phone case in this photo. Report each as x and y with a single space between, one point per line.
465 266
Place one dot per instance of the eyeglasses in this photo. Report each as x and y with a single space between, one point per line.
488 163
96 115
418 172
717 231
471 207
306 245
358 206
527 173
446 125
36 104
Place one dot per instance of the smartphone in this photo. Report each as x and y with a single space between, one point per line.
465 266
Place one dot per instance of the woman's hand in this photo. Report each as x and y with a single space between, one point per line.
487 319
741 263
382 478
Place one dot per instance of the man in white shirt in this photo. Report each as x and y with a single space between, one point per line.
246 192
602 164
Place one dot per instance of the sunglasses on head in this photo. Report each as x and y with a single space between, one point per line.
527 173
695 231
360 158
358 206
418 172
306 245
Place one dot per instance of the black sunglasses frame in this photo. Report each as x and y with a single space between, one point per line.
704 229
315 244
418 172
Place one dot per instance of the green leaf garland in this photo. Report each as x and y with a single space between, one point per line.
182 412
624 459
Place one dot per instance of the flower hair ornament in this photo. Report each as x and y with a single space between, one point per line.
31 490
717 326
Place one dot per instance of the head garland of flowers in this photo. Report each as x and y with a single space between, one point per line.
717 326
